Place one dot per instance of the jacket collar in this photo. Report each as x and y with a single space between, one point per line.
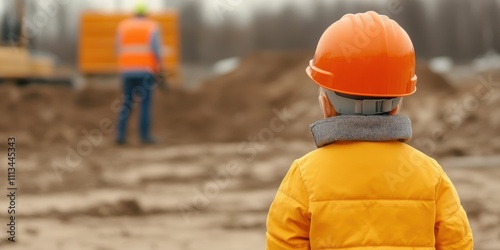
361 128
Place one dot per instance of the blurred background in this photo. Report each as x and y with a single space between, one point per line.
236 67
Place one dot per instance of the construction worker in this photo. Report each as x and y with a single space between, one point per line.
138 47
363 187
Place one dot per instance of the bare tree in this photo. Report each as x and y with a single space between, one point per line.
191 30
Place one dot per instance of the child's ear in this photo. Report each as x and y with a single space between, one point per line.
326 106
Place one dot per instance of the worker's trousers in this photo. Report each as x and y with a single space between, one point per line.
138 87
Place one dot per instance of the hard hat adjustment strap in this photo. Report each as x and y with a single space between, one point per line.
348 106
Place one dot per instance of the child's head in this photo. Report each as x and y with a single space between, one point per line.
364 64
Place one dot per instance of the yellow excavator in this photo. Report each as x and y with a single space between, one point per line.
18 65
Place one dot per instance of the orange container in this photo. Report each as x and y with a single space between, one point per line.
97 53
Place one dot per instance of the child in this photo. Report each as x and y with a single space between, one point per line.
364 188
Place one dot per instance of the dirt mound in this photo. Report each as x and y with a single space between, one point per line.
240 105
425 107
431 82
227 108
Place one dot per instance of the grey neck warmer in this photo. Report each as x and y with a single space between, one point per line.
361 128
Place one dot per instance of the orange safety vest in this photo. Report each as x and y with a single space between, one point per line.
135 52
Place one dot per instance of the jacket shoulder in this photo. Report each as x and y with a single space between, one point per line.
383 166
377 150
431 162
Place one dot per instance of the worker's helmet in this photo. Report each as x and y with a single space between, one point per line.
365 55
141 9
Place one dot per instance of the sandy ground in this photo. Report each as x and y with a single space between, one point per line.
210 183
207 196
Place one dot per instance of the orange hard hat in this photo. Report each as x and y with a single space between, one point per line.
365 54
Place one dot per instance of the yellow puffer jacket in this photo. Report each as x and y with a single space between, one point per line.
367 195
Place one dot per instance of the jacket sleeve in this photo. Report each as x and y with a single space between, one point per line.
118 37
288 220
452 228
156 44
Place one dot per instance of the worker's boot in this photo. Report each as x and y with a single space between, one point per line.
150 140
120 141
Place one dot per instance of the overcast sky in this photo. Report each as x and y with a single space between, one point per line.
239 8
239 11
